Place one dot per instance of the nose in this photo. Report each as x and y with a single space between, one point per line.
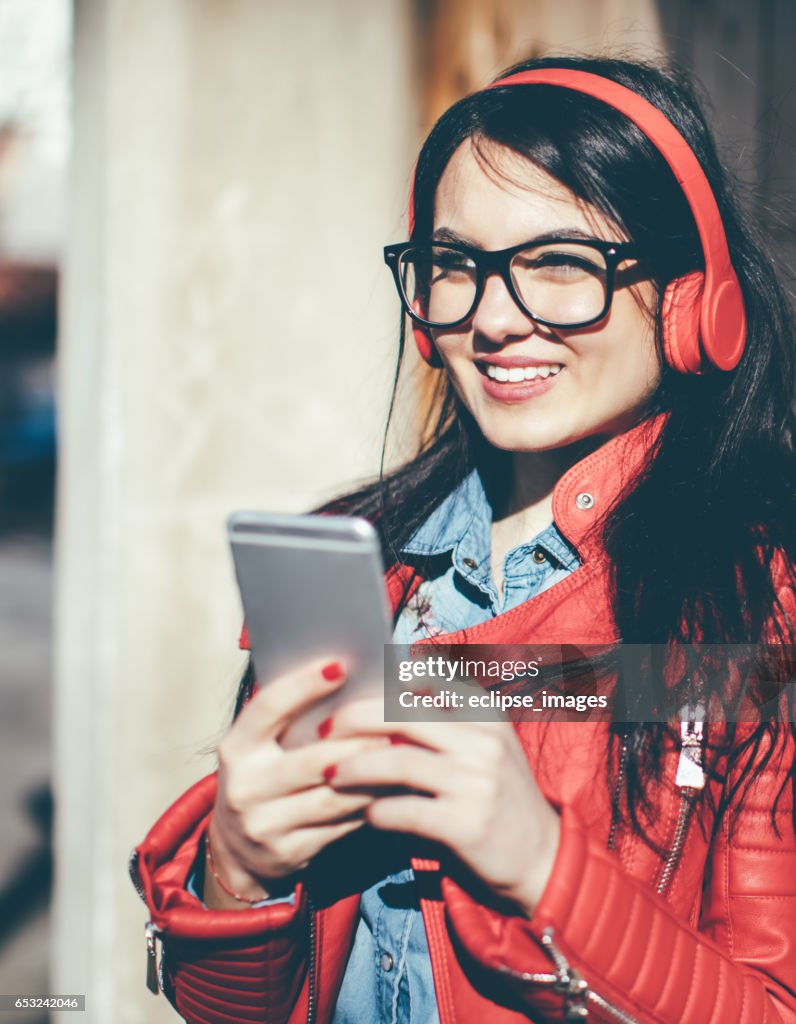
498 318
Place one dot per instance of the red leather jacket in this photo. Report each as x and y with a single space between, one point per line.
706 935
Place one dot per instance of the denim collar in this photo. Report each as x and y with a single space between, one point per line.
465 506
462 524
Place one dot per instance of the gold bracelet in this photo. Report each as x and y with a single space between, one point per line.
225 888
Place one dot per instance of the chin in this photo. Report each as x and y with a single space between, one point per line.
539 438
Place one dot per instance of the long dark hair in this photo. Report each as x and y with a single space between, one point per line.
693 543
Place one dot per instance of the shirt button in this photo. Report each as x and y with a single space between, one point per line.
539 556
470 563
584 500
386 962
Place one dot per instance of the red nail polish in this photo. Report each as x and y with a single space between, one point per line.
329 772
324 728
333 672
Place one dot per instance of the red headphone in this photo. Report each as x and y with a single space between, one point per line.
704 323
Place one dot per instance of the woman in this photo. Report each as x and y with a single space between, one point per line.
612 459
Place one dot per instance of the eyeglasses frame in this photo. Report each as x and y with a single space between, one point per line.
498 261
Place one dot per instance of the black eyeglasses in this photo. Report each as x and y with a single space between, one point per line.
557 282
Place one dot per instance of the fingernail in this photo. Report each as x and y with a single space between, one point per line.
324 728
329 772
333 672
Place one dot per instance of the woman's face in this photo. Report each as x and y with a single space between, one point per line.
599 377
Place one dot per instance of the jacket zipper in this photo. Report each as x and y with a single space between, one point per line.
312 962
680 833
620 778
577 993
690 778
132 867
613 1011
154 974
153 978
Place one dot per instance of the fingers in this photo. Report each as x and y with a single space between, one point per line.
265 772
278 702
409 766
271 838
310 809
304 844
367 718
418 815
259 866
305 767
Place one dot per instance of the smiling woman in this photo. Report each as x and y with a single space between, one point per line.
611 463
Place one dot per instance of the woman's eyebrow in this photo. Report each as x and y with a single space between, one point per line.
574 233
444 234
447 235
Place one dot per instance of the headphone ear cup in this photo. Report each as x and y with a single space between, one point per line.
680 315
426 347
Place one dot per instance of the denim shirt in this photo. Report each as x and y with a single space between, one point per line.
388 978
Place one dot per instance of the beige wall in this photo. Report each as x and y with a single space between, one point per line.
227 342
228 331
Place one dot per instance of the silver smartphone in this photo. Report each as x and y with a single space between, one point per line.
312 587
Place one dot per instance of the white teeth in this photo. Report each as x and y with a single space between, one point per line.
519 373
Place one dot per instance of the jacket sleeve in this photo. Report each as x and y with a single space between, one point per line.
603 942
217 967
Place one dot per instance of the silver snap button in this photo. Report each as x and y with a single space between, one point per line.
470 563
539 556
584 500
386 962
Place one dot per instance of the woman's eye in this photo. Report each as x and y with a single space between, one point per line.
563 264
451 267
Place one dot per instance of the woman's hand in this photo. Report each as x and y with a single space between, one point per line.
274 811
470 788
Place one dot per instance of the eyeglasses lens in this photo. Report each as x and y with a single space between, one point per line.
563 283
439 283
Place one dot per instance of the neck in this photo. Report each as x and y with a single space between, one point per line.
534 476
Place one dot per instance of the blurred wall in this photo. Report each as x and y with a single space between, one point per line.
462 44
228 331
742 56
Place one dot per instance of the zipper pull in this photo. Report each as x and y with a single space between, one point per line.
152 982
690 771
569 983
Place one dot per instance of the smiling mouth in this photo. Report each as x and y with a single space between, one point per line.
518 374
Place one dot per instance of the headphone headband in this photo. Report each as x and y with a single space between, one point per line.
721 316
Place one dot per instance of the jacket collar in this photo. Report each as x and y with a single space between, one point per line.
588 491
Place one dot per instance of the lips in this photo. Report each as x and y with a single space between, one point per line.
503 359
515 379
